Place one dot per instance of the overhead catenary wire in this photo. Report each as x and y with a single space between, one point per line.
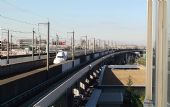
16 20
16 31
20 8
21 32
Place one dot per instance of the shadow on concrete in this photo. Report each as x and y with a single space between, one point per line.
109 78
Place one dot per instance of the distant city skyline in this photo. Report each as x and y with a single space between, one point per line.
108 19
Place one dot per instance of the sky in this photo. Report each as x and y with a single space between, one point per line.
117 20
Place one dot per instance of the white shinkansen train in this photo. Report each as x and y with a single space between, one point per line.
61 56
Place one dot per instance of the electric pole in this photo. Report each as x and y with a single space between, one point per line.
85 50
33 44
39 46
8 48
48 45
108 45
99 45
11 43
104 44
73 47
86 47
57 39
72 44
88 44
94 46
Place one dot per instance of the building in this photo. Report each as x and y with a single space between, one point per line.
25 43
3 45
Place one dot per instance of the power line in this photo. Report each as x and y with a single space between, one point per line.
16 20
20 9
16 31
21 32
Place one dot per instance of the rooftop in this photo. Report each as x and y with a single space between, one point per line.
121 76
124 66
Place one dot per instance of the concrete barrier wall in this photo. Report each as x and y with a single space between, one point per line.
96 55
23 58
139 90
18 68
15 88
13 69
106 53
91 56
76 62
102 53
83 59
2 61
66 66
87 58
27 55
54 70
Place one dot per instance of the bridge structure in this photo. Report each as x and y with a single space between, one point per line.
29 83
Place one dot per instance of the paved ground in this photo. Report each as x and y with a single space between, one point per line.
121 76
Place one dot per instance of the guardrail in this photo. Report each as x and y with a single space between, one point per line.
56 93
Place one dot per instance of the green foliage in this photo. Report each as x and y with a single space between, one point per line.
141 61
142 98
131 98
130 82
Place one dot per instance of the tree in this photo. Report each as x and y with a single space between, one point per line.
131 98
